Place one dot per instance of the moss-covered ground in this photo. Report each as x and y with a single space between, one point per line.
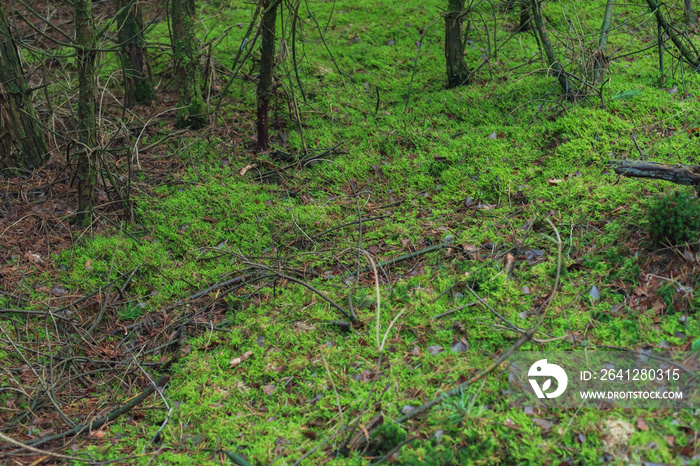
484 165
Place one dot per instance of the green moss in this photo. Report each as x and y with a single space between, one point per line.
452 163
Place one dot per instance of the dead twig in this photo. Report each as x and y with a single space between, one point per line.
97 423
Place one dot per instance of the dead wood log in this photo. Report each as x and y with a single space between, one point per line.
687 175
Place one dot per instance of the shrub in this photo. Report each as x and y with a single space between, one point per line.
674 218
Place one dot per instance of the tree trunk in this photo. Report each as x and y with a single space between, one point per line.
138 86
552 61
267 68
87 129
691 18
22 144
663 23
525 17
600 60
192 110
457 71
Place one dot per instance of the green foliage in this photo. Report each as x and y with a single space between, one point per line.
674 218
131 311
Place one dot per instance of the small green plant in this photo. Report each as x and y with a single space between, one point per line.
131 311
387 436
674 218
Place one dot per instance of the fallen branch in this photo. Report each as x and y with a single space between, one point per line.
451 311
687 175
42 452
405 257
354 222
96 424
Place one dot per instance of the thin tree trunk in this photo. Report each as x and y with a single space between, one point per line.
22 144
687 54
554 65
138 86
691 18
87 129
457 71
599 55
192 110
525 17
267 68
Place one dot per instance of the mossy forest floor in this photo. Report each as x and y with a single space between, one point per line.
258 367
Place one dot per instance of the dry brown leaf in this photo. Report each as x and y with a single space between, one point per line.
31 257
509 263
641 425
245 169
236 361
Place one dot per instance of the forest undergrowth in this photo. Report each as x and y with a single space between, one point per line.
397 239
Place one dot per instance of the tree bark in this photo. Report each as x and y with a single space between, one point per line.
138 86
267 69
457 71
22 144
599 55
552 61
192 110
691 18
86 173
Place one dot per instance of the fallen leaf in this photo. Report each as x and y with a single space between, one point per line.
658 306
460 347
31 257
554 182
245 169
687 255
58 291
268 389
641 425
546 425
509 263
88 266
594 293
469 248
236 361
